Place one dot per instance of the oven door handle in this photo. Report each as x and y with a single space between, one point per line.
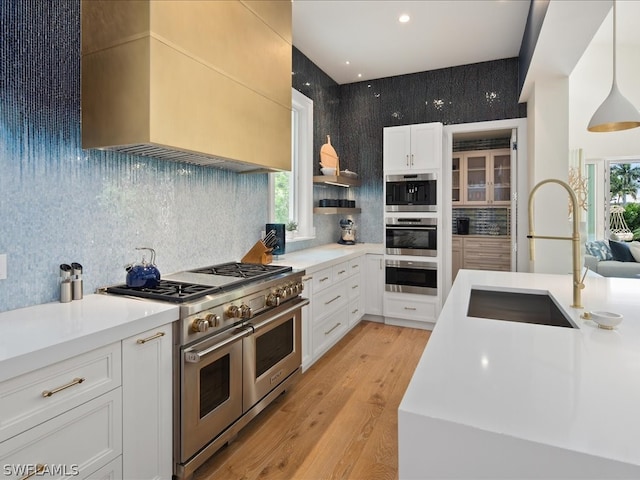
410 227
277 315
195 356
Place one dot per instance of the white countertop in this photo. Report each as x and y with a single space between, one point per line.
317 258
577 390
40 335
33 337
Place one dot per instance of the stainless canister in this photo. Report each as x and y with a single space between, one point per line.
65 283
76 281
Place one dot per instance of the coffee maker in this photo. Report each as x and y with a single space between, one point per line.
348 233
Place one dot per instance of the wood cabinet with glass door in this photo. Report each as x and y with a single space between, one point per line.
481 177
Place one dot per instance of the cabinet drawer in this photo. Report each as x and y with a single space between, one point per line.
329 331
22 399
322 279
354 265
410 307
76 443
356 310
329 301
489 244
111 471
354 286
340 271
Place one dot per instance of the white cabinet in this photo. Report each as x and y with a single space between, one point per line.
374 284
104 414
65 419
147 398
412 147
419 310
336 304
307 328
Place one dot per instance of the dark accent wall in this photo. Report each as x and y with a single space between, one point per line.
354 115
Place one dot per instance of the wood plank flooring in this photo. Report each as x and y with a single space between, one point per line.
338 422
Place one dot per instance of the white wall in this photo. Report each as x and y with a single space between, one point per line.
590 82
548 120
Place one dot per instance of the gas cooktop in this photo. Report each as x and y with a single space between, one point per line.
193 284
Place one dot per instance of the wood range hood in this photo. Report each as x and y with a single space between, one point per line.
202 82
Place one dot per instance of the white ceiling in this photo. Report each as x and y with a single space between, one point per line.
440 34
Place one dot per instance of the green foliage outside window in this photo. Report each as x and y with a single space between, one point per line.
282 197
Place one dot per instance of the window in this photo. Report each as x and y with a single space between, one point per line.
291 193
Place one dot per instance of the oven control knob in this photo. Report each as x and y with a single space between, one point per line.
281 292
200 325
300 285
273 300
289 289
213 320
234 312
245 311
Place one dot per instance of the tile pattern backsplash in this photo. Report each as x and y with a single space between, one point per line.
60 203
484 221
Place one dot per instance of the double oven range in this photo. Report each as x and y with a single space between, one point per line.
237 346
411 231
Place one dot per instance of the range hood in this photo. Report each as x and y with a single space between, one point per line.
207 83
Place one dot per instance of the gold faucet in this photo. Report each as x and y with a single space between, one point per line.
578 283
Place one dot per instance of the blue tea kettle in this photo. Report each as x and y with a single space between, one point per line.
143 275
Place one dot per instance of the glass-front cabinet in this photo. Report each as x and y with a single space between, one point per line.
481 177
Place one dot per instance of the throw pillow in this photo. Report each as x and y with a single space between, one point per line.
599 249
621 252
634 248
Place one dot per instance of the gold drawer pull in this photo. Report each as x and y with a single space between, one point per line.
324 279
355 266
341 272
39 469
332 300
307 278
410 308
75 381
354 287
148 339
332 328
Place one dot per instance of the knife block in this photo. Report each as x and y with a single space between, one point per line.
258 254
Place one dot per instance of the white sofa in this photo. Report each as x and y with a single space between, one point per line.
608 262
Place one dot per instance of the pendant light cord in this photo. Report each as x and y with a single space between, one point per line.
614 42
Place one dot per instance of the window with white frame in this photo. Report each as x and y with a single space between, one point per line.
291 193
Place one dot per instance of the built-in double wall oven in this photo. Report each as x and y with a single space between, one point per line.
411 233
415 236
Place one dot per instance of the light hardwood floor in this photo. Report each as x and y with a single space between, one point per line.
340 419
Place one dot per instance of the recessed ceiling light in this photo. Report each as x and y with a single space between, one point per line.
347 62
359 75
404 18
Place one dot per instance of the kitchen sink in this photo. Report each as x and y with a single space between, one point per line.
513 305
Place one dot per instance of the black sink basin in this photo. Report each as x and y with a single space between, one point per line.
537 307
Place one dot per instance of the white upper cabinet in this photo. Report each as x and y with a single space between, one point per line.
412 148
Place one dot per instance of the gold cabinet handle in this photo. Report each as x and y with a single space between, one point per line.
39 469
148 339
324 279
355 266
333 328
410 308
354 287
307 278
75 381
332 300
341 272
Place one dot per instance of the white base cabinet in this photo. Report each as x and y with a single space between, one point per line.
411 310
374 284
147 395
104 414
336 304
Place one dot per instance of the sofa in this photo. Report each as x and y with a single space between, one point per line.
611 258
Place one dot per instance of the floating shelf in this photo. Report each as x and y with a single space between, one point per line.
334 210
340 181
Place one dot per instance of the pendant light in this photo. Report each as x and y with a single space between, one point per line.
616 112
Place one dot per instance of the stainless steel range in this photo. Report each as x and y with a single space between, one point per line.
237 347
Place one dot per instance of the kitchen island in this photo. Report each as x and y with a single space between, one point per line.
500 399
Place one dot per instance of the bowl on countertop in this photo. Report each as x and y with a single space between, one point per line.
328 171
606 320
